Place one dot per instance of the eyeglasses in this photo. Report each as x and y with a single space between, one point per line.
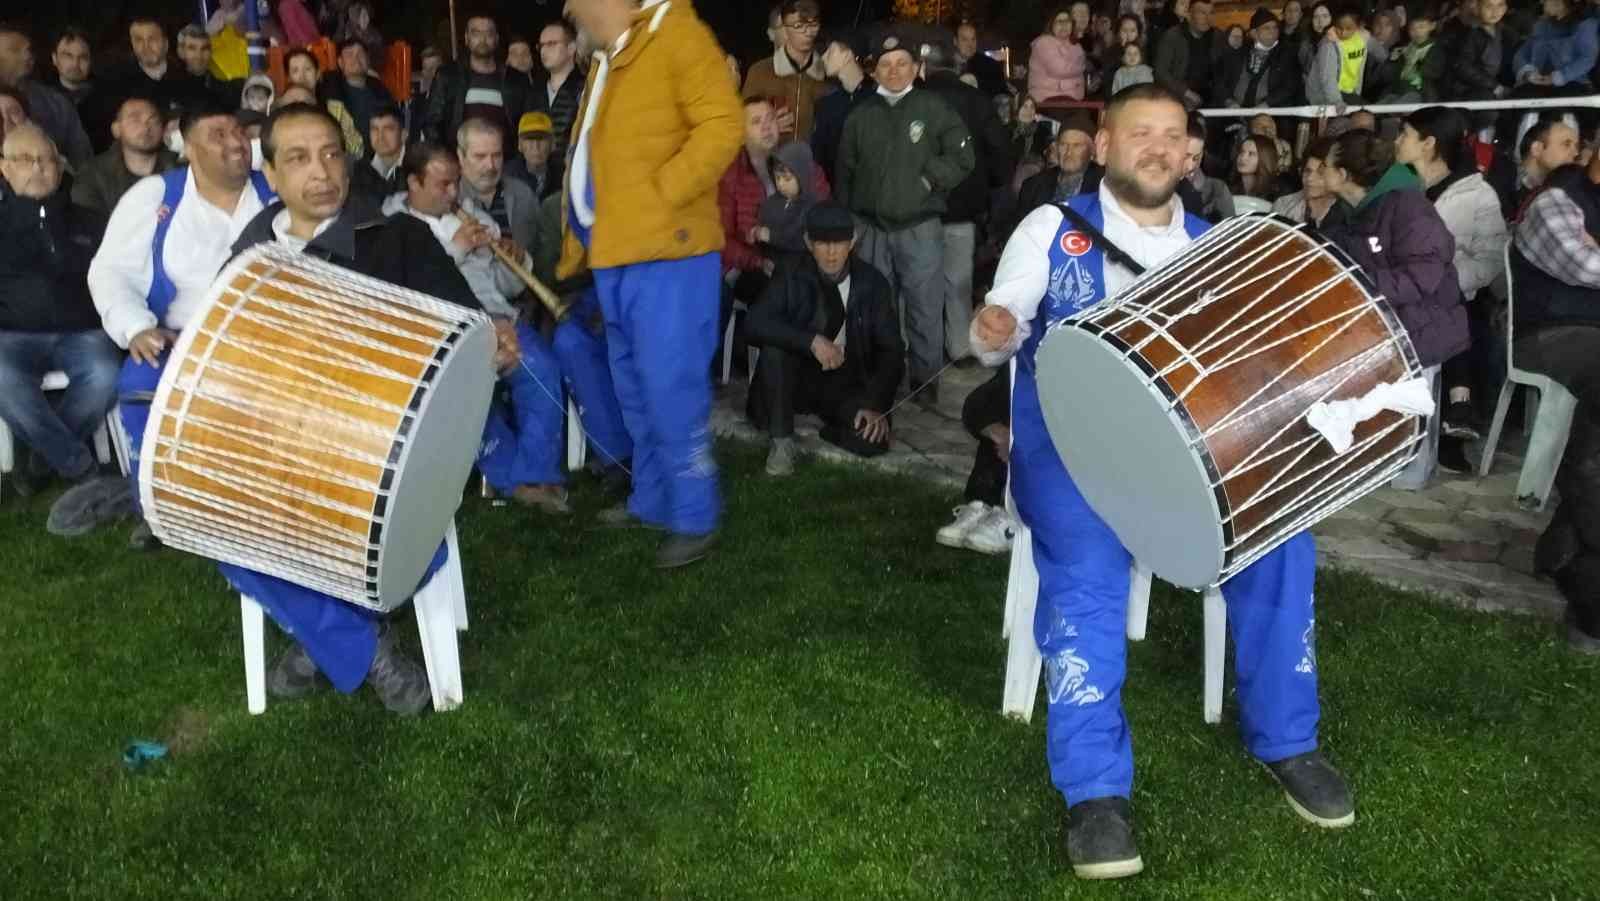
29 161
811 25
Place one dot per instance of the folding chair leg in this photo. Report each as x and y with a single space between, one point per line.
727 348
1138 601
1216 628
1495 425
436 626
453 578
255 660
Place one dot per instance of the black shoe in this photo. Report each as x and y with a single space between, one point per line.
1577 638
618 517
294 675
1453 455
400 682
1100 839
615 480
682 550
142 539
1315 790
1458 421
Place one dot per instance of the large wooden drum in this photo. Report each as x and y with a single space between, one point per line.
317 425
1179 406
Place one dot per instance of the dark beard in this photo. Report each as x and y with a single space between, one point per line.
1126 187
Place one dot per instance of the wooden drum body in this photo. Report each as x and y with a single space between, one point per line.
317 425
1179 406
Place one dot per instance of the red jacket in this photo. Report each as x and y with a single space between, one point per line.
739 194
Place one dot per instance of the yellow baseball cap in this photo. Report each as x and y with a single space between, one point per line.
534 124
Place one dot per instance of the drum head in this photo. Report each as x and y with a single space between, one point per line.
1130 456
434 465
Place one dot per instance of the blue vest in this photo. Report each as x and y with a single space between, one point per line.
162 290
1077 271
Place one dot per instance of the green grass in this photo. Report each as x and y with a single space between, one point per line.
811 714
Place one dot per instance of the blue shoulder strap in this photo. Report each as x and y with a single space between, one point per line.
264 191
162 290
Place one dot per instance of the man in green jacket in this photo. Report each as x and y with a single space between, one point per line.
136 152
903 150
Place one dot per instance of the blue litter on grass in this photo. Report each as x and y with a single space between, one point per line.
139 753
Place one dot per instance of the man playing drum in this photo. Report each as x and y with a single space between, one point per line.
1052 269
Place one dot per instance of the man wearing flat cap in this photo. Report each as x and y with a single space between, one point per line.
1262 73
904 150
830 345
1075 171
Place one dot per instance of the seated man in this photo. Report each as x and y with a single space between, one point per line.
981 523
521 454
831 345
1074 173
1555 273
47 318
136 151
535 167
378 176
306 163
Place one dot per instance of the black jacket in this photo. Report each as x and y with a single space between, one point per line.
366 181
990 74
45 250
796 309
1280 82
1040 189
563 112
447 105
828 122
400 250
991 147
1465 76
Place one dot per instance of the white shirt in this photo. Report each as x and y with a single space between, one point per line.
386 170
844 299
491 282
199 241
280 230
1024 271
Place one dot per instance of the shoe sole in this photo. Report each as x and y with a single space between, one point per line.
1338 822
956 542
1458 432
679 564
1111 869
992 552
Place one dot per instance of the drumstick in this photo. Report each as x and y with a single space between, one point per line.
549 298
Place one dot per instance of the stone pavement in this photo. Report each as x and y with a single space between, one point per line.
1463 539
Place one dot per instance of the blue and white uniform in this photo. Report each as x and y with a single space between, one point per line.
1050 271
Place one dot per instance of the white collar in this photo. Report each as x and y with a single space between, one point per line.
280 230
895 97
1108 202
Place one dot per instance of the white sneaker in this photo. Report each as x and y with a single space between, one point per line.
992 534
967 515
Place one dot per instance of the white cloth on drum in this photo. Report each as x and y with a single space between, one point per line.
1337 420
199 241
1023 275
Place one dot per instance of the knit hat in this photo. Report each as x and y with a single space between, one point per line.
1261 17
830 221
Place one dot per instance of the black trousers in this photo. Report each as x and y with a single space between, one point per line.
1570 548
788 383
988 404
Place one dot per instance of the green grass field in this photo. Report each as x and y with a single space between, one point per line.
810 714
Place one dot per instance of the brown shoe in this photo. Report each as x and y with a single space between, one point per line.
548 498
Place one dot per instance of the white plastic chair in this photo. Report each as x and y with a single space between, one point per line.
441 608
57 381
1023 663
1243 204
1547 420
752 354
577 446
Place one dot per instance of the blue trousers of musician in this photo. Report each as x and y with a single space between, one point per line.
661 330
340 638
586 366
522 439
1080 624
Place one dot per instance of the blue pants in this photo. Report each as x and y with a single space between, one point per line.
57 431
340 638
587 370
1080 625
661 330
522 443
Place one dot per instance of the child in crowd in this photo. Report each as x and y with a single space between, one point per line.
781 219
1133 70
1415 70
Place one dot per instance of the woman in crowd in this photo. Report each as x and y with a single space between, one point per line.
1265 126
1433 141
1313 204
1397 237
1313 34
1255 170
1129 30
1056 64
1235 39
1558 59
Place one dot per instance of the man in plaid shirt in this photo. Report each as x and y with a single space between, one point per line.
1555 265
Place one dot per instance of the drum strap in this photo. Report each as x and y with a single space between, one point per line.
1113 253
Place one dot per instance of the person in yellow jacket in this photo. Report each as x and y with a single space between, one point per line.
657 127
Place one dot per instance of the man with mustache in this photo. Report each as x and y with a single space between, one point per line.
1052 269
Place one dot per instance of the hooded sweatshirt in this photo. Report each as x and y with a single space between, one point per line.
786 217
